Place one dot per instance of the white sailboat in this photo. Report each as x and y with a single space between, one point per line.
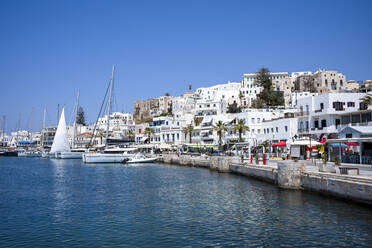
60 142
117 156
74 153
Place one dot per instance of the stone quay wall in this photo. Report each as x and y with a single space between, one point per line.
287 174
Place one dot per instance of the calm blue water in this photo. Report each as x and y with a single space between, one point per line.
63 203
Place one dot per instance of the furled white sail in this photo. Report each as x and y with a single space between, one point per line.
60 142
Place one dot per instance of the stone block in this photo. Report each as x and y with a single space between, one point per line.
289 174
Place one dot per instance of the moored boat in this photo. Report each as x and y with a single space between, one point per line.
140 158
60 142
114 155
73 154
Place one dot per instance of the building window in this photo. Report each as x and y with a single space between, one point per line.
286 128
363 106
349 135
178 136
351 104
324 123
338 106
316 124
277 129
321 105
366 117
355 118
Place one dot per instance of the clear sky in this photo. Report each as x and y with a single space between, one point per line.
50 49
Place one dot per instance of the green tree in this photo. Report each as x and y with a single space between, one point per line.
149 132
268 96
189 130
257 103
197 120
233 108
130 133
220 128
100 135
241 128
80 116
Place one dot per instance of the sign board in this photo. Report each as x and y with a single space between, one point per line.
295 151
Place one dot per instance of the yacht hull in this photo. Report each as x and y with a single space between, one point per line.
69 155
105 158
140 161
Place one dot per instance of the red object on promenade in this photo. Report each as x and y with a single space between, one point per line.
280 144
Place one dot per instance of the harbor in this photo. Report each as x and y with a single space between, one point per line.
59 203
289 175
185 123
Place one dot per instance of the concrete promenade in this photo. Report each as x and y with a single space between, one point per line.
288 174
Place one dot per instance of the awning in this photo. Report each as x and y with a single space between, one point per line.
305 143
202 146
279 144
145 146
353 144
27 142
338 144
164 146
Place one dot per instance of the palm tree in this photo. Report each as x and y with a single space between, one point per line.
197 120
130 133
149 131
220 127
101 135
241 128
189 130
367 99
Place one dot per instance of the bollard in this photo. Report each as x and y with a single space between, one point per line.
264 159
251 158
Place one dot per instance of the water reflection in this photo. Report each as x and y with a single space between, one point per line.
153 205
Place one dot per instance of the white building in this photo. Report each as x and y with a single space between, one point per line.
281 81
325 115
168 130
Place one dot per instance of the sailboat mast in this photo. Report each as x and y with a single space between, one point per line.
3 128
109 107
43 130
76 110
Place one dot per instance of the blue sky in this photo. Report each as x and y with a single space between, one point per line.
50 49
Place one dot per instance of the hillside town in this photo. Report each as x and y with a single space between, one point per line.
273 111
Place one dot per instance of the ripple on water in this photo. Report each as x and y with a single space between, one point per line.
67 204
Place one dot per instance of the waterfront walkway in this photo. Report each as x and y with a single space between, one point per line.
289 174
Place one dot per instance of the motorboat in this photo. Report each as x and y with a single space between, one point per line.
140 158
113 155
29 154
73 154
